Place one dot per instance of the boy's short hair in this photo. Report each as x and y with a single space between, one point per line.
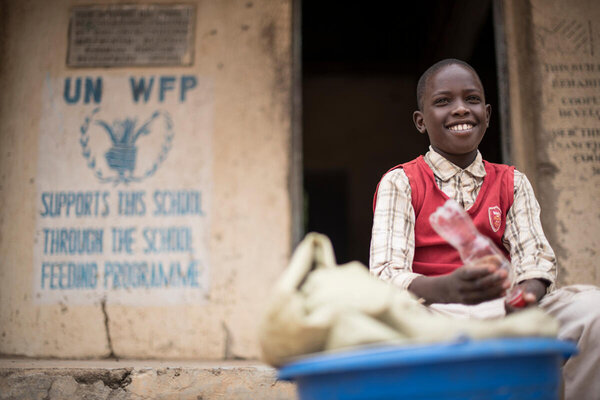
432 70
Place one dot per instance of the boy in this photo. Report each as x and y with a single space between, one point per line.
408 253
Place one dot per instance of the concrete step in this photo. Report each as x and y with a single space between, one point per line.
137 380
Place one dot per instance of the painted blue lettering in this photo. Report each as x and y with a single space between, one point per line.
177 203
191 278
93 89
138 88
105 201
126 275
114 270
83 275
158 276
122 240
54 275
72 98
131 275
81 204
168 240
73 241
46 200
148 236
141 88
132 203
69 275
187 83
178 278
45 273
141 279
108 271
174 274
166 83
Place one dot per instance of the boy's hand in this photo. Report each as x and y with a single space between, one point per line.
470 284
475 283
533 291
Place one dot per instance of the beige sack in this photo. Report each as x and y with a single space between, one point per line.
317 305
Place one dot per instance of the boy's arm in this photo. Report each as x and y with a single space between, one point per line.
530 252
392 238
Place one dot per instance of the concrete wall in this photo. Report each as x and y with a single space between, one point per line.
228 142
553 64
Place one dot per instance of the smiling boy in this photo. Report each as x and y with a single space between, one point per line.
407 252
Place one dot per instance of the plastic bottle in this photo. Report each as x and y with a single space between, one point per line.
453 224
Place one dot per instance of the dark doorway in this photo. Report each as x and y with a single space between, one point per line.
361 62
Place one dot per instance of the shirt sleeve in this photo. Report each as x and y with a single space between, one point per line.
524 237
393 235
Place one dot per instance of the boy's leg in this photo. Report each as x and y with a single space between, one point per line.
577 308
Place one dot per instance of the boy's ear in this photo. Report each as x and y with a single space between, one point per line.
419 121
488 114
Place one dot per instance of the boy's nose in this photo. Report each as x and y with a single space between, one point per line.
460 109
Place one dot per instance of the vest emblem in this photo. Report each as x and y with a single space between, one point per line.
495 215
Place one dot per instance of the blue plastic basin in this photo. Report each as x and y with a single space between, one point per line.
515 368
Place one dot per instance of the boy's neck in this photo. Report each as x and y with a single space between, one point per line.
460 160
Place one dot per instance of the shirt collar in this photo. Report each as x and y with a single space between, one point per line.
445 170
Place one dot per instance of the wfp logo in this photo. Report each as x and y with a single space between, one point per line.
127 157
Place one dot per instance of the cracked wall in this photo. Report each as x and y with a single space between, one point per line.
239 91
553 50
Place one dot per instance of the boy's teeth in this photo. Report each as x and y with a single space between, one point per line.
461 127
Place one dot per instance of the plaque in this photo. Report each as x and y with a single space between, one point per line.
131 35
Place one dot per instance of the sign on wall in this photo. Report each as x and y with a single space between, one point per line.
129 35
567 66
124 184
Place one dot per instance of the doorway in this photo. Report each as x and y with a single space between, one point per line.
360 66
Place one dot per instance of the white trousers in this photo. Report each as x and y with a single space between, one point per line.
577 308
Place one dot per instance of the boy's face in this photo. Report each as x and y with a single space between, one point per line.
454 113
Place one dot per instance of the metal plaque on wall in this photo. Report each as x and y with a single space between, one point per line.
131 35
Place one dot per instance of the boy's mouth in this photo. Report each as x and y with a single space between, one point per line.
461 127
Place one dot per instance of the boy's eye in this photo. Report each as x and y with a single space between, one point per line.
473 99
441 101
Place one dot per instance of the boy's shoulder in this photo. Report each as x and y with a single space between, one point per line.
498 168
498 165
397 172
405 164
395 179
395 176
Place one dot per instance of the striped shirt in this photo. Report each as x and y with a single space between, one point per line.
393 235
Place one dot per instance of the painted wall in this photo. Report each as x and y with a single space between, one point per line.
144 211
553 62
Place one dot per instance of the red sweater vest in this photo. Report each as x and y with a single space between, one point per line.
433 255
